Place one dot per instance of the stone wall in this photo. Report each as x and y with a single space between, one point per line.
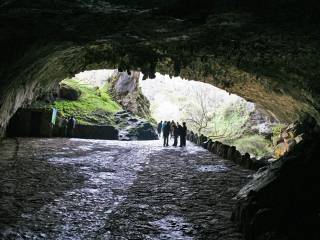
96 132
30 123
227 152
37 123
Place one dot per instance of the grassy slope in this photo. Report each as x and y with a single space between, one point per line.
95 106
256 145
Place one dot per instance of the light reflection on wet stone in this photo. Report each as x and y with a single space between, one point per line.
95 189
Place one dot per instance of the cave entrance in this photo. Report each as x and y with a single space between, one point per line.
108 104
210 111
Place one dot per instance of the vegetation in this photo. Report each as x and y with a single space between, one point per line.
95 105
256 145
207 110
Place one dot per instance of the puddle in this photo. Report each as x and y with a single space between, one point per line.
213 168
172 227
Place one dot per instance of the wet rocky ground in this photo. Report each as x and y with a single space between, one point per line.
95 189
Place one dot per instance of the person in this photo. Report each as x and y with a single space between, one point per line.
175 135
71 126
171 128
165 132
163 126
159 129
179 130
183 135
64 125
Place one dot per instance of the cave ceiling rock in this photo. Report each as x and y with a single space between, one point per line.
277 67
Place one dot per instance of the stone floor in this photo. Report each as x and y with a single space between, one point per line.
94 189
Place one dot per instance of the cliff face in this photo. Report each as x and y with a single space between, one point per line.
125 88
264 52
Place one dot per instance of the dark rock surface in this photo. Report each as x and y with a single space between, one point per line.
95 189
134 128
96 132
282 201
263 52
69 93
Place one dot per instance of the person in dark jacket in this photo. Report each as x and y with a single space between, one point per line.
165 132
159 129
175 134
171 128
183 135
179 129
71 126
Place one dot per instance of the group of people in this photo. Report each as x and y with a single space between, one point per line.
172 130
68 126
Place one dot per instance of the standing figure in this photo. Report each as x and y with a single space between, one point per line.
71 126
175 135
166 131
63 129
171 128
183 135
179 130
159 129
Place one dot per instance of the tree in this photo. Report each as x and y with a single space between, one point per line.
198 115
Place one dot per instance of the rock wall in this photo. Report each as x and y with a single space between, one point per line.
282 201
269 58
126 90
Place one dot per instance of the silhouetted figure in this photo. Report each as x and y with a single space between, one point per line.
171 128
175 134
163 125
159 129
63 128
71 126
166 131
183 135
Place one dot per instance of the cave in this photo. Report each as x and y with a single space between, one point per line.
264 52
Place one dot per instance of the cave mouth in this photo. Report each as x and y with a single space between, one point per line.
109 104
212 112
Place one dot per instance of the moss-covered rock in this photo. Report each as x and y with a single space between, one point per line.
94 106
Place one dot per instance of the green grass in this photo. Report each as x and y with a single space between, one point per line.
256 145
95 106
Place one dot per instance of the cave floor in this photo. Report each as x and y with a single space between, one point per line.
94 189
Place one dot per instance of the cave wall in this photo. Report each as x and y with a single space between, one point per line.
264 53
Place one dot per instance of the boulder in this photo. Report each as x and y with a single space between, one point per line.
238 157
299 138
222 150
214 148
69 93
256 164
280 150
246 161
231 154
209 145
134 128
290 144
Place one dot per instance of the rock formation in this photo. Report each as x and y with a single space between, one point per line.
264 51
133 128
258 51
126 90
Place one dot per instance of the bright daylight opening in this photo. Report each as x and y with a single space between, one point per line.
210 111
206 109
108 104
